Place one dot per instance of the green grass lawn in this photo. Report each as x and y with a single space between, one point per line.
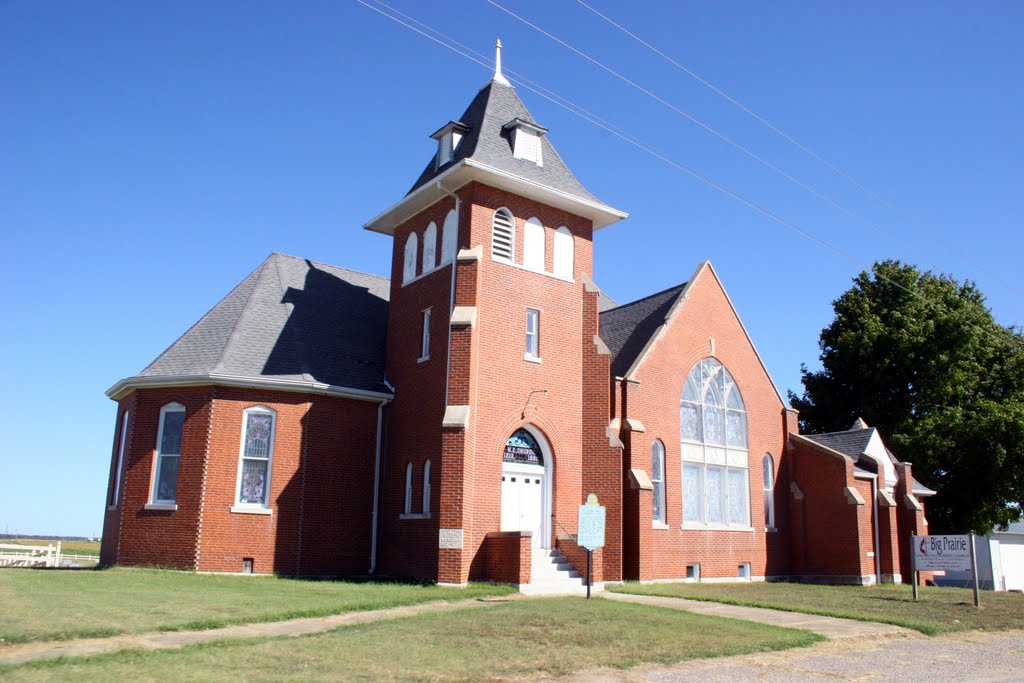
53 605
939 610
553 636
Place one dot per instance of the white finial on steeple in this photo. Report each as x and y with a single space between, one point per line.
497 65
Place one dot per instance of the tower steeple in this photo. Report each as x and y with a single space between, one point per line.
498 76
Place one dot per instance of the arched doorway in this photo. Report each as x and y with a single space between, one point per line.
526 485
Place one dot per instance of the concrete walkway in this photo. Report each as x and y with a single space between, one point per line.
169 640
829 627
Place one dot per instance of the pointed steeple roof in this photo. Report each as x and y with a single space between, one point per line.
485 152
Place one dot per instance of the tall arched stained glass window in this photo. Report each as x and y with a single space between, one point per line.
658 481
713 432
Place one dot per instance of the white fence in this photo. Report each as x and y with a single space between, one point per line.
12 555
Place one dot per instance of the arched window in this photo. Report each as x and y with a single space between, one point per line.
429 248
119 462
564 255
713 431
533 245
503 236
408 489
522 448
409 269
658 479
168 454
426 488
255 456
768 473
449 237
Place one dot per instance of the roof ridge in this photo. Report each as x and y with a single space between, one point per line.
203 317
845 431
385 278
649 296
235 329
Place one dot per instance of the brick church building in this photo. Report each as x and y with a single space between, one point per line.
446 423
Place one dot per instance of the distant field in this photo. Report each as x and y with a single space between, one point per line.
76 547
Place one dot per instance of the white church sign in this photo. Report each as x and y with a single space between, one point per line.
591 526
942 553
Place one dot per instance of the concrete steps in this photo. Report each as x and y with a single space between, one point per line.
551 574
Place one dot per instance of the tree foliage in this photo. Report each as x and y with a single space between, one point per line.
920 357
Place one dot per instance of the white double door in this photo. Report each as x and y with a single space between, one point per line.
522 500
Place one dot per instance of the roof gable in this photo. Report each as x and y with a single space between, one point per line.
628 329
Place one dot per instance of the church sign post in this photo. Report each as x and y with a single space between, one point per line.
590 533
942 553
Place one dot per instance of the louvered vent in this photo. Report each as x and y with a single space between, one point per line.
503 233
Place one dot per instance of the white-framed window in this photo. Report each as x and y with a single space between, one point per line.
564 254
503 236
255 456
533 245
119 465
426 488
168 454
713 435
425 339
429 248
408 489
449 237
768 476
532 333
409 263
658 480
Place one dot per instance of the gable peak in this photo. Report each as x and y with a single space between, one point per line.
859 424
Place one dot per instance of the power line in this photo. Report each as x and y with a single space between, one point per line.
835 169
657 153
710 129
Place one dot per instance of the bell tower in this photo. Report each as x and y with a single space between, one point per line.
492 343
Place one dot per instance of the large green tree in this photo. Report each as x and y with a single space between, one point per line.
919 356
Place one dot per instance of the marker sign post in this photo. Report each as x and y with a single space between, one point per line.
590 532
944 553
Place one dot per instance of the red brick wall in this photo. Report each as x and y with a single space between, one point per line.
489 374
509 557
321 486
654 400
163 537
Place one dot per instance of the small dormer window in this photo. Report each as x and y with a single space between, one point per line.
526 140
448 138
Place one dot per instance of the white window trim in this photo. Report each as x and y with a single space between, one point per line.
411 245
154 502
255 508
511 259
425 337
116 498
535 357
769 498
429 240
661 522
570 250
449 238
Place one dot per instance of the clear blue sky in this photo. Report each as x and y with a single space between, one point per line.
152 154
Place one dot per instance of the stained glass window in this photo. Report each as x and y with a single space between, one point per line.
768 475
168 453
658 480
257 451
712 413
522 447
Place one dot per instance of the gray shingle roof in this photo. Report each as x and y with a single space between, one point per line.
290 319
851 443
486 141
625 330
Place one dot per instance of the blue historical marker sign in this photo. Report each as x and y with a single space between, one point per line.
590 532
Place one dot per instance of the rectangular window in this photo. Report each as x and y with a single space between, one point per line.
693 572
715 495
119 465
532 333
256 453
425 339
168 453
693 500
737 496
